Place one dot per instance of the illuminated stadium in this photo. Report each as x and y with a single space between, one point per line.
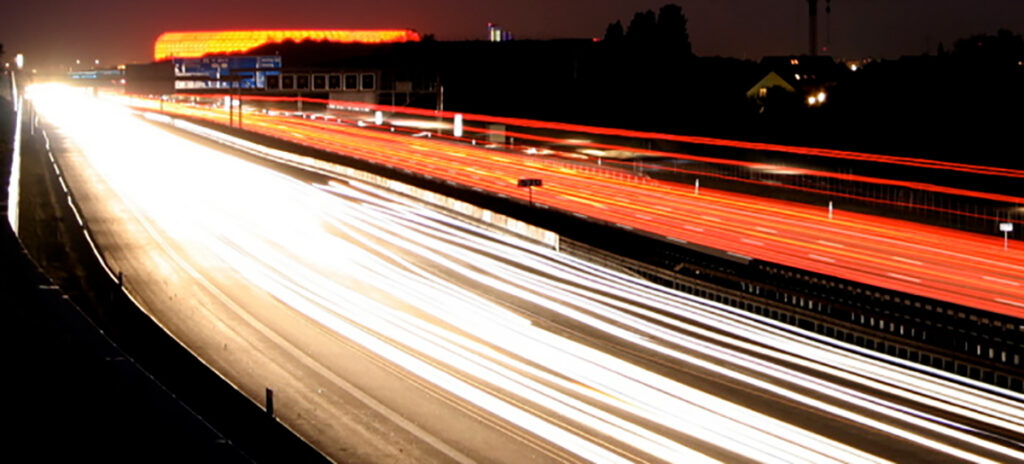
193 44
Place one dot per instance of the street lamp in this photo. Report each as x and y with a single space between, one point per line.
530 184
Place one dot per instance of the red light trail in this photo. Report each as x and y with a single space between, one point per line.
1010 199
954 266
535 124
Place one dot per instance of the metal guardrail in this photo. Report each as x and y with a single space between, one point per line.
815 315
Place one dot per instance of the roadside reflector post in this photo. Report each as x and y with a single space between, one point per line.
696 186
830 210
378 118
457 126
231 112
530 184
1006 228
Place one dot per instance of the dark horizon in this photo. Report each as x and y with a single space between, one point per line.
53 32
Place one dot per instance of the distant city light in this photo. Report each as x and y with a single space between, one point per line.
19 60
497 33
97 62
812 100
853 66
195 44
821 97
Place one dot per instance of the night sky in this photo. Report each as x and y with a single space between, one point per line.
117 31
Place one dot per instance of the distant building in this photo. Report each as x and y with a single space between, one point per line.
195 44
496 33
423 74
760 90
225 72
805 77
150 79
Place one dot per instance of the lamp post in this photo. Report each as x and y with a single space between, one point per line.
530 184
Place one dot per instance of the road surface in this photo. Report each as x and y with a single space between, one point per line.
392 332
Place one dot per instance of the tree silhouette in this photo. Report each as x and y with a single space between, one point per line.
1004 48
663 33
614 33
671 29
643 28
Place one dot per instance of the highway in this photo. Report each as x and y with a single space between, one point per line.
964 268
392 332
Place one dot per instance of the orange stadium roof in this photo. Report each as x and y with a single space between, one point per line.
193 44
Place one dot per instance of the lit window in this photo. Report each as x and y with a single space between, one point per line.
762 92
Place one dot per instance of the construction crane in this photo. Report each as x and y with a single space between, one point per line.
812 8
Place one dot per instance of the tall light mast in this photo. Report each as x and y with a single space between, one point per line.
812 9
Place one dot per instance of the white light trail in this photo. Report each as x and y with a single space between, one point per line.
485 317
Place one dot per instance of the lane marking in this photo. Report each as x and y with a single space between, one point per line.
907 260
1002 281
822 258
765 229
1010 302
831 244
752 242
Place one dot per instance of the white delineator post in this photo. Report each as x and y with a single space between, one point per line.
1006 228
457 129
